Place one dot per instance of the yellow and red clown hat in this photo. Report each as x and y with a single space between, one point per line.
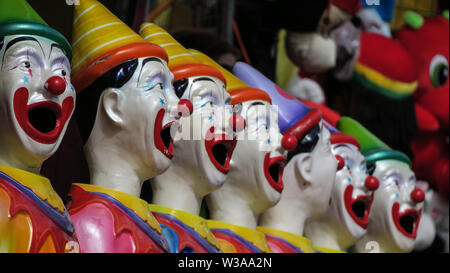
239 91
182 64
385 66
101 41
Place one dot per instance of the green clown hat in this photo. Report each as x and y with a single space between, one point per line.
17 17
372 147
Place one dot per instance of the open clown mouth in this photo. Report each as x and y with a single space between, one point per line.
273 171
42 121
162 137
406 222
359 207
220 148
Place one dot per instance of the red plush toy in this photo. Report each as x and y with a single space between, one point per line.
428 42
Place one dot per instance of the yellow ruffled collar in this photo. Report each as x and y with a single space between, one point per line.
254 236
299 241
327 250
40 185
139 206
196 222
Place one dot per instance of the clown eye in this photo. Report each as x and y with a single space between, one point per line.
27 64
439 70
63 72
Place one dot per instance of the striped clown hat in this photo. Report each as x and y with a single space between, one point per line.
294 117
101 41
182 64
372 147
238 90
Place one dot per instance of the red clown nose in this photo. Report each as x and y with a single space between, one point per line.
372 183
238 123
55 85
185 108
289 142
418 196
341 162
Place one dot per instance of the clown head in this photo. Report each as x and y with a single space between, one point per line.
36 99
206 143
351 197
259 154
311 165
258 162
397 204
127 103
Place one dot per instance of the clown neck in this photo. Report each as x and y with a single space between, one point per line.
328 232
110 165
178 189
30 164
291 213
231 205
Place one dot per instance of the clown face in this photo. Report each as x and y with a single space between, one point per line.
36 98
318 169
259 159
396 211
206 145
352 194
145 109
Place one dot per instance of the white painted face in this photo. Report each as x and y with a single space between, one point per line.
394 214
351 200
145 109
37 99
205 148
319 170
258 161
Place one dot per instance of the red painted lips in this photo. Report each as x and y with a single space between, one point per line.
162 137
406 222
273 171
359 207
219 148
43 121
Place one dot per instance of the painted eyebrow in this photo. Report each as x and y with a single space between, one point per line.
22 39
341 145
57 46
256 103
18 40
203 79
151 59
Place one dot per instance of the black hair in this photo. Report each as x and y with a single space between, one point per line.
88 99
392 120
371 168
180 87
307 143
